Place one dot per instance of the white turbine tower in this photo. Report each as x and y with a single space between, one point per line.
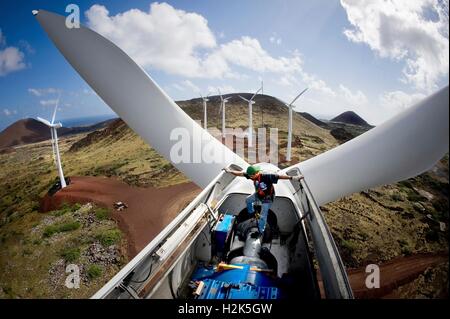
222 109
53 126
289 143
250 117
205 114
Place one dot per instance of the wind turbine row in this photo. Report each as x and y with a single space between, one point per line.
250 116
55 147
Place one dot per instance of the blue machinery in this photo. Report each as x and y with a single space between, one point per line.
245 277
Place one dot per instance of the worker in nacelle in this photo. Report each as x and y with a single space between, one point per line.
264 190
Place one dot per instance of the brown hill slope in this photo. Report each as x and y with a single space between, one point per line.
309 139
350 117
31 131
24 132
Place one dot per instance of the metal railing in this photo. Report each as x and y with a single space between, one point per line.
332 269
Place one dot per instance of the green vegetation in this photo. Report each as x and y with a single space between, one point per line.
413 196
27 236
101 213
94 271
397 198
349 245
109 237
60 228
70 254
65 208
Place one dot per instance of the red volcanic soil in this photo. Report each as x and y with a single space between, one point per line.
149 209
23 132
393 274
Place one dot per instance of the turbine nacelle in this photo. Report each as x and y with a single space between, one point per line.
51 125
247 100
221 97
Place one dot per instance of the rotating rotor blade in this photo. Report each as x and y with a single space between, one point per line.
139 101
56 107
44 121
405 146
256 93
281 101
298 96
244 98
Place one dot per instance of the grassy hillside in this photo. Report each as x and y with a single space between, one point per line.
394 220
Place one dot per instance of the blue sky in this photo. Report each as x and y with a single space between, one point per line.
375 59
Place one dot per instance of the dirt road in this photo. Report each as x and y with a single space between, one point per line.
149 209
393 274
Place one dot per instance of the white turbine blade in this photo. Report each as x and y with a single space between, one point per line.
281 101
256 93
221 98
244 98
298 96
139 101
402 147
56 107
44 121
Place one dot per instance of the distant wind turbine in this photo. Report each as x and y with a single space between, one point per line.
289 143
205 116
250 117
222 109
53 126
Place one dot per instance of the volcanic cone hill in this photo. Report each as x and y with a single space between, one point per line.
350 117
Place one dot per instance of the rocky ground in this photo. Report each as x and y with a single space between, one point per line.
35 265
375 226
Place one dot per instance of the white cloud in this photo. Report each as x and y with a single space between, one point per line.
248 53
404 31
42 92
275 40
224 89
11 60
6 111
317 84
181 43
398 100
179 87
191 86
163 38
27 47
356 99
48 102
